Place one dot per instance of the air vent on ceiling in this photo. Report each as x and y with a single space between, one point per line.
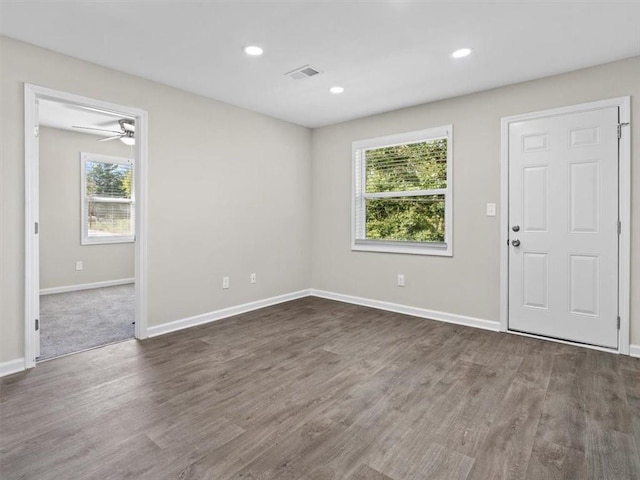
303 72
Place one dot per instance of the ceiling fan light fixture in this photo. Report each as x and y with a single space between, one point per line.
129 141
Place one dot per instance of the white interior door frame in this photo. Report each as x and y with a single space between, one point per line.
624 206
32 94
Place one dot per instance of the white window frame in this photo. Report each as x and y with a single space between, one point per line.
358 196
85 239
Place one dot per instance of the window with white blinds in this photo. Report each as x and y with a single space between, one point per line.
402 188
108 202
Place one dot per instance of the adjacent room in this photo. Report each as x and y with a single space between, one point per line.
382 240
86 229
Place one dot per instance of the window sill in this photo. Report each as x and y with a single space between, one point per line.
107 240
444 251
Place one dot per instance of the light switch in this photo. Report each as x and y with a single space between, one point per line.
491 209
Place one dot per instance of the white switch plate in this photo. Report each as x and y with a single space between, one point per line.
225 282
401 280
79 265
252 279
491 209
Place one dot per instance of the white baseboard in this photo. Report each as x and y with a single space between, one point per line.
413 311
183 323
634 351
86 286
12 366
156 330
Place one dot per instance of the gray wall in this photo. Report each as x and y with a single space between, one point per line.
468 283
60 223
228 192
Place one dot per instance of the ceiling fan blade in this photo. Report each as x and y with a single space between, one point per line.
99 129
110 138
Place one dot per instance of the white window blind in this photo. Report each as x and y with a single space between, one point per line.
402 193
108 203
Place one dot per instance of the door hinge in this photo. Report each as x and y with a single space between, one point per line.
37 324
618 322
36 228
36 131
620 125
619 227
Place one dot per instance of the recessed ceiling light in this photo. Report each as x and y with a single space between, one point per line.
253 50
336 90
463 52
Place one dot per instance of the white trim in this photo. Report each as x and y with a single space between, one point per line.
86 286
624 195
102 158
31 216
445 249
203 318
504 224
12 366
33 93
442 250
624 213
142 224
408 310
403 138
634 351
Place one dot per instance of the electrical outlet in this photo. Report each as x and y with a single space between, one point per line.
401 280
79 265
491 209
225 282
252 279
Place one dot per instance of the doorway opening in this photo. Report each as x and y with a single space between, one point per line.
85 223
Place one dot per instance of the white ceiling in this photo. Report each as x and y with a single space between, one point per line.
65 116
386 54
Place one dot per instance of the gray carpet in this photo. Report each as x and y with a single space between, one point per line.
75 321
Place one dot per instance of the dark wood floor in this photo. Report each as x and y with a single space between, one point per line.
315 389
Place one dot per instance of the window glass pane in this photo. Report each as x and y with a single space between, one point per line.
109 180
413 166
108 200
109 218
411 219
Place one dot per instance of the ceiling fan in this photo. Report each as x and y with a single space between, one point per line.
126 133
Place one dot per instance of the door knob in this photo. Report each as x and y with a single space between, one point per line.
515 243
516 228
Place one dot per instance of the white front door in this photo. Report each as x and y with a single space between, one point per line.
563 227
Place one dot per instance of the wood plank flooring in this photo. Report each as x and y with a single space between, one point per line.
320 390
